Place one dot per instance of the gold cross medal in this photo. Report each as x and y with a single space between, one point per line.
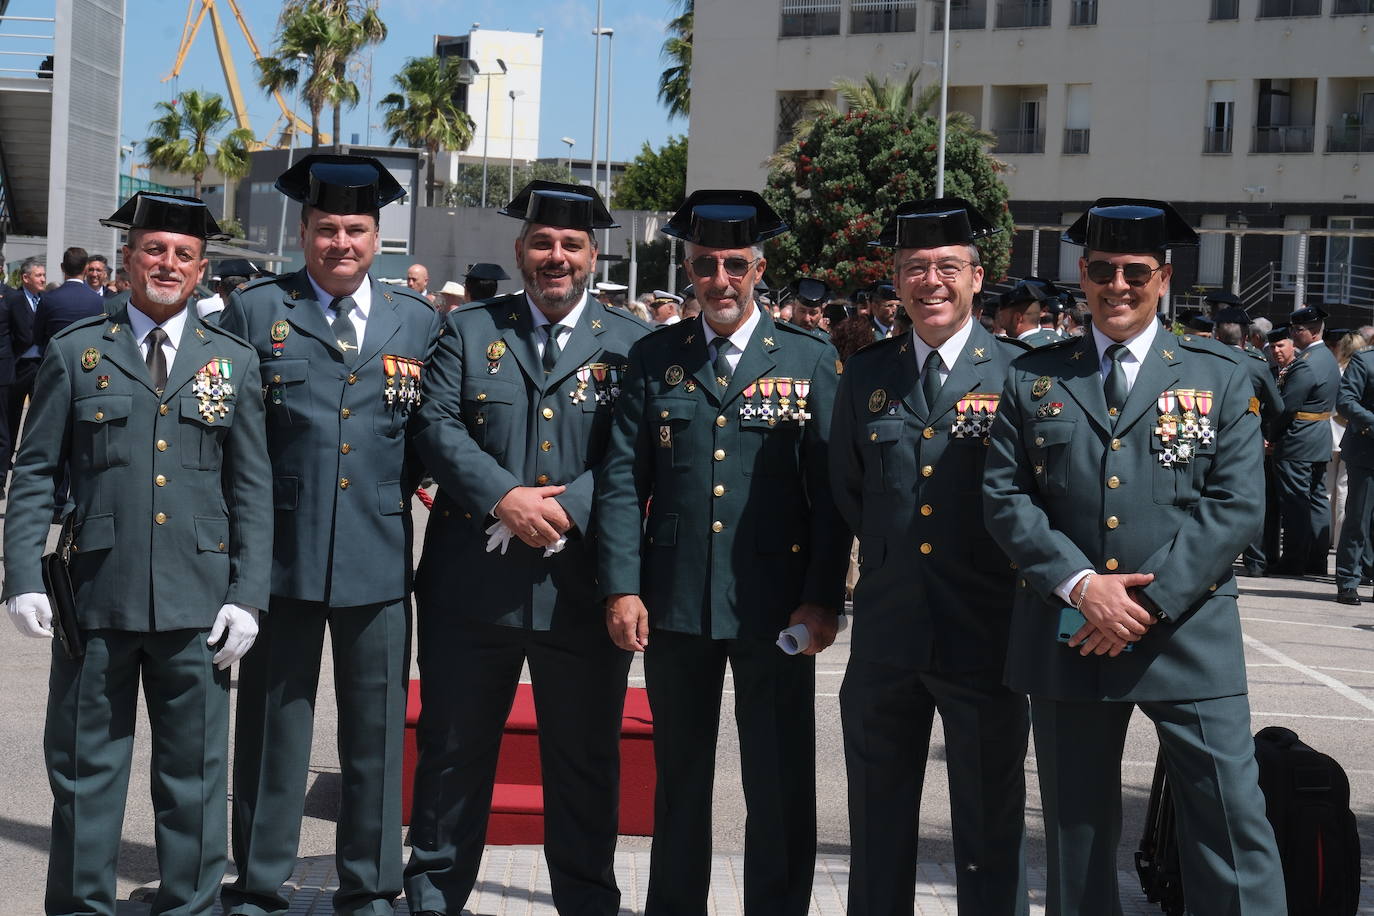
747 412
579 394
803 388
784 398
389 368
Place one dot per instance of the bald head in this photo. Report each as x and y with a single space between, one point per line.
417 278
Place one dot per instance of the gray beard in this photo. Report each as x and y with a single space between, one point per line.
157 296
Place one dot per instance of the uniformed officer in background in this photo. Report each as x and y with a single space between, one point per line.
1120 482
1020 308
481 279
721 433
933 602
158 417
1356 404
344 361
514 427
808 308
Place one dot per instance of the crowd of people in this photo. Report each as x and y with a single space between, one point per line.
1047 497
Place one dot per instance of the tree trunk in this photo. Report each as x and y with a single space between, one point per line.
314 127
338 126
429 175
195 184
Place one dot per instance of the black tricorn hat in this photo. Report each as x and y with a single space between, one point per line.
811 292
724 219
1282 332
1308 314
1030 289
1232 314
1130 225
237 267
340 184
166 213
934 224
485 271
563 206
1223 297
1199 322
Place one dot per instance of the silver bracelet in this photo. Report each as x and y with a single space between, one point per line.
1082 592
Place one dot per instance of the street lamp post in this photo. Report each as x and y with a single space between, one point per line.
610 90
571 143
514 93
301 58
486 127
944 110
596 86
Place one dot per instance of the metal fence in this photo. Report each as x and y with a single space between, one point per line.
1023 14
1076 140
1283 138
1020 141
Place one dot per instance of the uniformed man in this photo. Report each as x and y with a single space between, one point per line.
1310 382
158 417
1356 404
882 310
481 280
345 369
808 309
663 308
514 427
933 602
1019 310
721 433
1120 483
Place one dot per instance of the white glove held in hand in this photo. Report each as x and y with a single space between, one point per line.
32 614
242 625
501 535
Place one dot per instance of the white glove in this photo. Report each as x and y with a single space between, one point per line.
555 547
32 614
242 625
501 535
797 638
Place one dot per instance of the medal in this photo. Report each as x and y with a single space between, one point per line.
803 388
747 411
784 398
496 349
665 436
90 358
1041 387
673 377
877 400
766 391
103 382
279 331
389 368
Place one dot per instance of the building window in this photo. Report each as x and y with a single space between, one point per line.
963 14
1221 106
867 17
1028 136
1078 114
1083 12
810 17
1284 116
1287 9
1353 7
1225 9
1076 140
791 109
1023 14
1351 125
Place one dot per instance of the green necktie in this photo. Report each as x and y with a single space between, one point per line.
1115 386
721 364
551 347
344 332
156 359
930 380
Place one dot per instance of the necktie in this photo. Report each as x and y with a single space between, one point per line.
721 364
930 381
155 358
551 348
1115 386
344 332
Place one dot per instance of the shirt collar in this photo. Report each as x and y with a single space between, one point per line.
140 324
740 339
1139 345
362 296
949 350
569 321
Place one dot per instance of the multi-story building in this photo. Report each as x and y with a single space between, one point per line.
1253 116
503 97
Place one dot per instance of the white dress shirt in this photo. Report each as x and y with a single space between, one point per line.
362 300
738 340
565 324
140 325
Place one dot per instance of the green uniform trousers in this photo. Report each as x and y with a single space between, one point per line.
272 736
88 743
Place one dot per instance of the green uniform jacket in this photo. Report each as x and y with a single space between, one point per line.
935 589
1066 491
172 510
1309 388
1042 338
741 528
488 425
1266 390
1356 403
341 483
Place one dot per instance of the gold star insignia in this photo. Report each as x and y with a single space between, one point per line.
1078 354
1168 354
978 352
596 324
689 338
200 333
903 348
513 316
768 341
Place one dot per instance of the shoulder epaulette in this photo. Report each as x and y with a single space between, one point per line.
1208 345
90 321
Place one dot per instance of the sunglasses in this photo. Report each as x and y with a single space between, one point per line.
735 266
1135 273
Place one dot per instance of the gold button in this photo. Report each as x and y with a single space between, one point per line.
160 518
345 413
162 445
482 396
545 445
719 455
467 515
872 437
221 545
663 414
772 421
796 548
100 414
345 448
1211 588
927 509
718 489
720 421
1113 482
928 433
1039 440
1023 583
926 548
547 413
160 480
162 409
343 483
352 379
927 470
542 479
444 513
1116 445
1112 411
717 527
276 379
1112 563
1113 521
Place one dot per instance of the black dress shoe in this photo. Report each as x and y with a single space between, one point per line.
1347 596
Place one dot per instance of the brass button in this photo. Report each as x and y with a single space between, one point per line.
160 480
345 413
663 414
163 409
927 470
1113 521
719 454
162 445
352 379
444 513
717 527
926 548
772 421
343 483
1023 583
482 396
1039 440
467 515
542 479
1116 445
276 379
927 509
1112 563
1112 411
547 413
721 421
100 414
872 437
796 548
1211 588
1113 482
221 545
928 433
345 448
545 445
718 489
160 518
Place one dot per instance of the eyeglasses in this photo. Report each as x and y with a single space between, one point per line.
735 266
1136 274
945 269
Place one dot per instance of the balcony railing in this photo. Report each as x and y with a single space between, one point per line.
1353 7
1023 14
969 14
1354 138
810 17
28 51
1225 9
1216 140
1076 140
1287 9
1083 12
1286 138
1020 141
870 17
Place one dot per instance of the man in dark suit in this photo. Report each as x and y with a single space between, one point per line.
1120 482
159 419
513 427
70 302
933 602
721 432
344 360
20 306
1356 404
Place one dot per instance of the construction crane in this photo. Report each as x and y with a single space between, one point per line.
194 19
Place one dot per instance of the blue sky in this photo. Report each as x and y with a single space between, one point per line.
153 33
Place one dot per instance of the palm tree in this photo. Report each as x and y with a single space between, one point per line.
675 83
424 112
183 137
